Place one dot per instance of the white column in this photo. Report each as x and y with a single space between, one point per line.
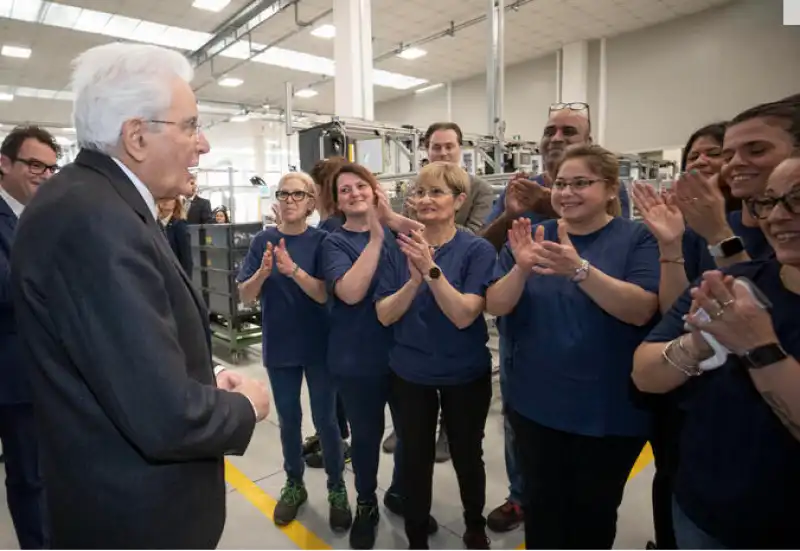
352 51
574 71
259 150
602 96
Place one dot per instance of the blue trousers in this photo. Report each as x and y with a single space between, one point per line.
365 400
515 482
286 383
24 491
687 534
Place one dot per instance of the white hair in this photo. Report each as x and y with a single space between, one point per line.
117 82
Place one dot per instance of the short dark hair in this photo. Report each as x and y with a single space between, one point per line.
322 174
13 142
715 131
437 126
787 111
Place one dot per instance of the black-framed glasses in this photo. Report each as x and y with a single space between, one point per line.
192 124
576 184
762 207
283 196
37 168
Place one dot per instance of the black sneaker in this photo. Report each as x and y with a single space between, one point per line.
394 503
317 461
293 495
390 443
365 526
442 447
311 445
340 517
476 539
505 518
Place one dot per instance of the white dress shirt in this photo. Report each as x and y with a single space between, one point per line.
141 188
16 206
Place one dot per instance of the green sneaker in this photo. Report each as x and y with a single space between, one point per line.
340 516
293 495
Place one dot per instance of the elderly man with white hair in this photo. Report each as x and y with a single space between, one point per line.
133 421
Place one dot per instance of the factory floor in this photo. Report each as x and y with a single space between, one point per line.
255 480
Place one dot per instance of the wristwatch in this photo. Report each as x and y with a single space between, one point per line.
434 273
727 247
581 273
763 356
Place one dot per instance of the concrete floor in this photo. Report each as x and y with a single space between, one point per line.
257 477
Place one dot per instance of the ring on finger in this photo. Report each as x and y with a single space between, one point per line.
727 303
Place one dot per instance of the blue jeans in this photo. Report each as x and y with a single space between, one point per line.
365 401
515 488
687 534
286 383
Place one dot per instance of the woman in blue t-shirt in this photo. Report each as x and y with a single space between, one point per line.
283 270
579 295
738 482
431 293
358 350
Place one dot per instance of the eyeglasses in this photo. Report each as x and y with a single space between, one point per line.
192 124
433 193
576 184
37 168
762 207
283 196
572 106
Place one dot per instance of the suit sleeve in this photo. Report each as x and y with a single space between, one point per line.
481 206
5 268
115 319
206 216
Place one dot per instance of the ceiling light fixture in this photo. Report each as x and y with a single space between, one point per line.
4 96
412 53
211 5
324 31
230 82
429 88
15 51
240 118
306 93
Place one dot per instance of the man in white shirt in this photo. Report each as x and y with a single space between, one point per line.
28 157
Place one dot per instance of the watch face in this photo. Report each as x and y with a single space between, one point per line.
764 355
434 273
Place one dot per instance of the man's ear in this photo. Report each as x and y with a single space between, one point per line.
589 140
133 140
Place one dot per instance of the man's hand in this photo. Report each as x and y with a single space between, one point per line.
228 380
256 392
523 195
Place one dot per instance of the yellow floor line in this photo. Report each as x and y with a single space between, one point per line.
302 537
642 461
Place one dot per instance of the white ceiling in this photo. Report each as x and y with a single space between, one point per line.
535 28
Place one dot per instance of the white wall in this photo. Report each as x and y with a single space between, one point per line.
663 82
530 89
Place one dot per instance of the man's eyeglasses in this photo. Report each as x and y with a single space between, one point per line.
37 168
762 207
283 196
192 124
572 106
576 184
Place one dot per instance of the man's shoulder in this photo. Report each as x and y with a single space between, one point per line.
478 183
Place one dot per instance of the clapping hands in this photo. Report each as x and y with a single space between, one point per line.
535 254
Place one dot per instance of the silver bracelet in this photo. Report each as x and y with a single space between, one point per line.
688 370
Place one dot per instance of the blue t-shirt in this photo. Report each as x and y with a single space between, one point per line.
571 361
294 326
738 477
428 348
359 344
332 223
697 259
500 204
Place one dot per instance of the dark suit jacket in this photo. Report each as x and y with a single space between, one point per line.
133 430
200 212
14 386
177 232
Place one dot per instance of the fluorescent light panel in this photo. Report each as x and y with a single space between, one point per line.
210 5
15 51
5 96
324 31
429 88
412 53
126 28
306 93
230 82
